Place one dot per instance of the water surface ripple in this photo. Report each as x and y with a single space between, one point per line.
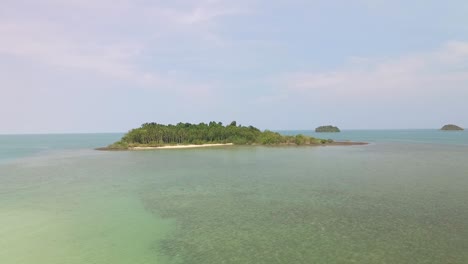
388 202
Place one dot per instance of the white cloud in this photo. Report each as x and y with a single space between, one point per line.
443 70
62 36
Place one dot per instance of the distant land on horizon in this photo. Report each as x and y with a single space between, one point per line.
327 129
276 130
452 127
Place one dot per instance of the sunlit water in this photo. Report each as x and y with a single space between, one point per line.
401 199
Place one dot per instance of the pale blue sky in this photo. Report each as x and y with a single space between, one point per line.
110 65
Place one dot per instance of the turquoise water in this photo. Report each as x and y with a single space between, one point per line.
401 199
17 146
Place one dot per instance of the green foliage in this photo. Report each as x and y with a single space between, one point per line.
451 127
300 139
154 134
236 140
329 129
271 138
118 145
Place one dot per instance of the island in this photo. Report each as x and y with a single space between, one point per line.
327 129
451 127
213 134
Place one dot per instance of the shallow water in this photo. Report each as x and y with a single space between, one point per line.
388 202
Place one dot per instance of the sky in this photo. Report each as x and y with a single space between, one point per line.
80 66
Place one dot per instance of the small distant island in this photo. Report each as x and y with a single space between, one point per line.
327 129
451 127
187 135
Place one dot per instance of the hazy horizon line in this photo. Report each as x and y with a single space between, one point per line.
275 130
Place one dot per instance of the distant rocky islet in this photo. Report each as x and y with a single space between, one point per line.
451 127
327 129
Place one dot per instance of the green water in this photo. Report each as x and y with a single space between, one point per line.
383 203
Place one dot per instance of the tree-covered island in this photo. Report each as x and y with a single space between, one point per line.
451 127
159 135
327 129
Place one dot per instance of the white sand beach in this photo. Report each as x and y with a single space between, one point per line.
182 146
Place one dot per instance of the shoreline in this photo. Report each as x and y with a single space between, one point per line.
346 143
335 143
339 143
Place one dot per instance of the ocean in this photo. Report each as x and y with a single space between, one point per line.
401 199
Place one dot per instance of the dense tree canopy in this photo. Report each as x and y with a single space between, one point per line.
451 127
154 134
327 129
